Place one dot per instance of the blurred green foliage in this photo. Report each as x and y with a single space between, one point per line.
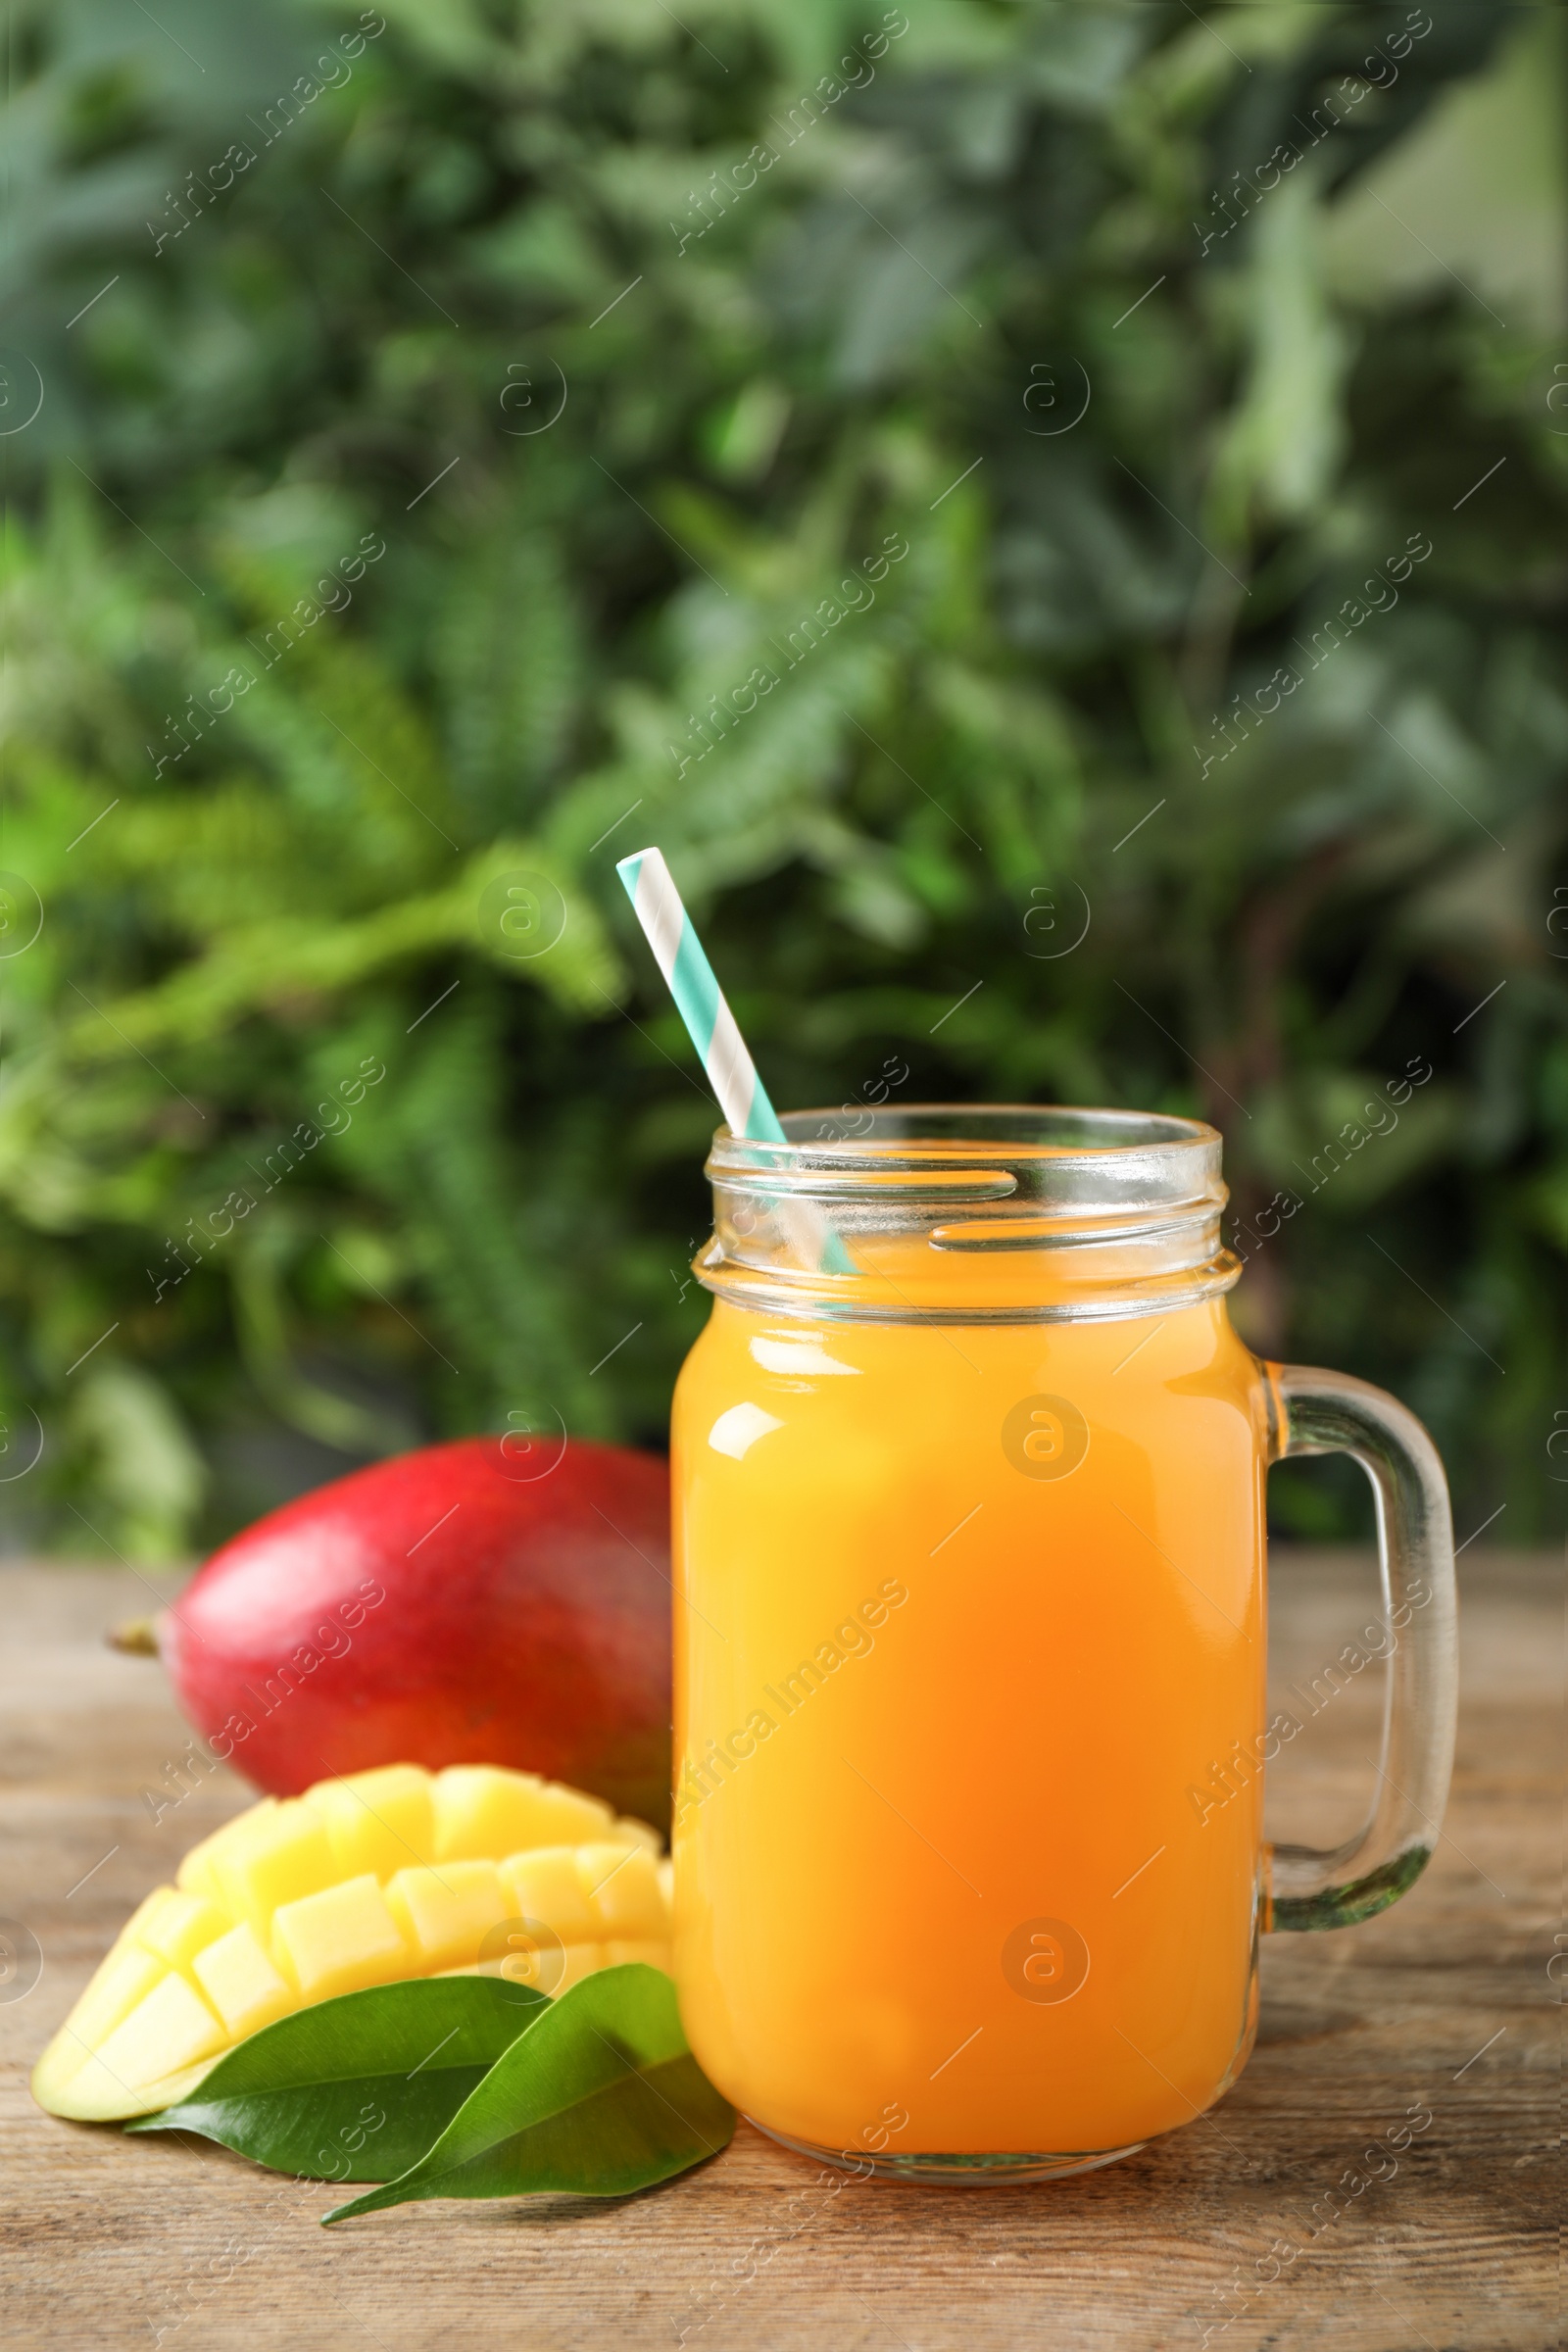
606 413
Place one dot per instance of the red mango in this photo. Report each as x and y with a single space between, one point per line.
462 1604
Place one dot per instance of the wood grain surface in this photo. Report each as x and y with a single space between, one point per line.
1446 2005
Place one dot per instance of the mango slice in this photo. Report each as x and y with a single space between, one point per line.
197 1874
242 1984
339 1940
180 1926
361 1881
545 1885
380 1821
123 1979
445 1913
622 1890
171 2029
286 1855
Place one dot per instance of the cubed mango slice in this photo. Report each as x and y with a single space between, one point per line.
171 2027
621 1885
285 1856
377 1821
482 1811
340 1938
126 1976
545 1886
365 1880
197 1874
181 1925
566 1817
445 1913
241 1982
627 1829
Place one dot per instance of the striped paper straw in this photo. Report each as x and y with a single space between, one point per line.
714 1031
699 998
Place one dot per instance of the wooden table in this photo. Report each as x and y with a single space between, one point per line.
1445 2004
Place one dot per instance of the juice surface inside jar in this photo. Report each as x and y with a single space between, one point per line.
967 1616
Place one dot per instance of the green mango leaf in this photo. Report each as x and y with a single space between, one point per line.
599 2096
357 2088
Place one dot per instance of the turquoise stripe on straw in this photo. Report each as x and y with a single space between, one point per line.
696 991
698 1000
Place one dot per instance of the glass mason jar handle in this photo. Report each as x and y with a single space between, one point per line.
1328 1412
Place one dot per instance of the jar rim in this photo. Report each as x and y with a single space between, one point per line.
1064 1154
1054 1130
1057 1209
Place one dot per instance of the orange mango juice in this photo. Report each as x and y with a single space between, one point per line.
967 1616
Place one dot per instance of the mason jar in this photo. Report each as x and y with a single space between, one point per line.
971 1557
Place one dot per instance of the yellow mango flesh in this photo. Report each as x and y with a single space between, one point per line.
377 1821
445 1914
242 1984
361 1881
181 1926
286 1855
340 1939
545 1885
